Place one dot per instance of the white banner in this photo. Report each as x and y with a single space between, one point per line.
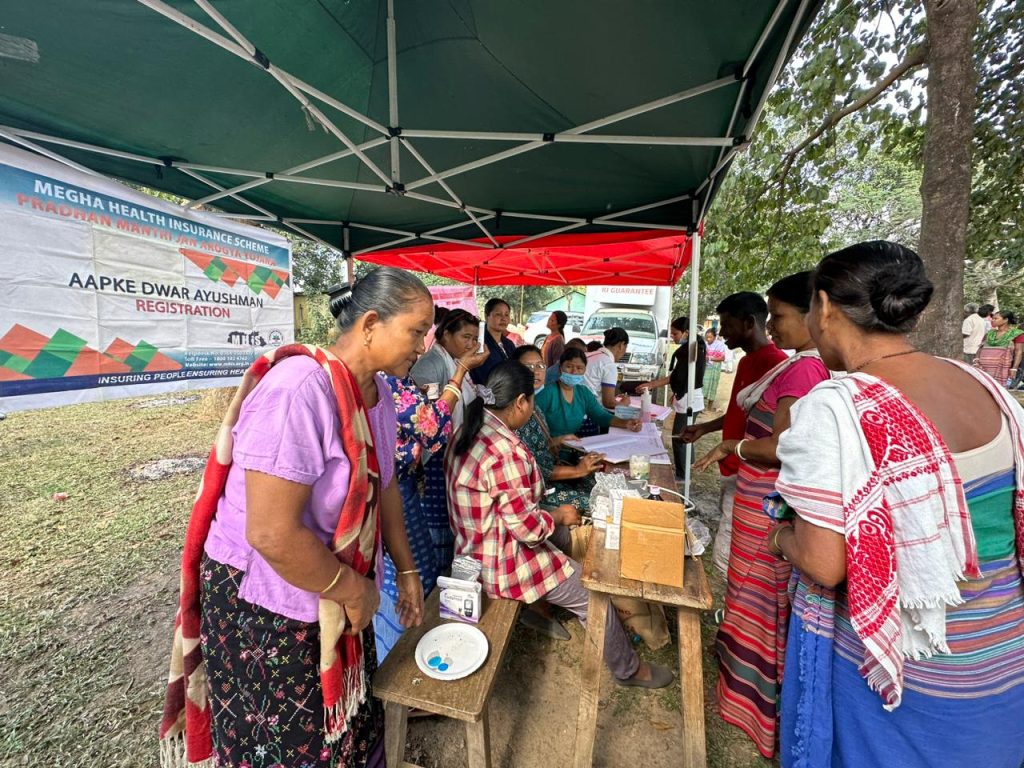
106 292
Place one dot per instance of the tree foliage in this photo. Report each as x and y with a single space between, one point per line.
779 212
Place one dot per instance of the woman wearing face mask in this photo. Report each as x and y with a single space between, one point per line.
571 483
495 491
564 406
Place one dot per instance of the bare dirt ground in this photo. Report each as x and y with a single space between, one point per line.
88 587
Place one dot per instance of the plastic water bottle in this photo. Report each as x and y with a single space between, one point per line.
645 406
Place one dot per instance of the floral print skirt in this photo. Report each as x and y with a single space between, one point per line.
265 692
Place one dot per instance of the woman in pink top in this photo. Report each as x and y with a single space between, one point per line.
269 562
751 640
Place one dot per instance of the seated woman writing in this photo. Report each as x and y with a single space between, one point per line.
565 405
494 494
566 483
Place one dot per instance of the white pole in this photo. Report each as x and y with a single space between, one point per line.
347 255
393 91
691 366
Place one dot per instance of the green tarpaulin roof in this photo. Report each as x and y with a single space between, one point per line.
405 122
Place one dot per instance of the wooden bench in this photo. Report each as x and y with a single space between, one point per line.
601 578
400 684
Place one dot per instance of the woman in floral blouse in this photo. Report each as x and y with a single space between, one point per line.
424 427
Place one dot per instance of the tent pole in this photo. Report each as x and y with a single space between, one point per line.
768 29
283 78
16 139
689 93
570 138
291 171
242 52
451 193
210 183
691 366
346 254
393 92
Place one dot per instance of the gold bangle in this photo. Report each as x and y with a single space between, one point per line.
406 573
334 581
773 542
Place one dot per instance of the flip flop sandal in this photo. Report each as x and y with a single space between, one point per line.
660 678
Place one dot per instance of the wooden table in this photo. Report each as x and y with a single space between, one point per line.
601 578
400 684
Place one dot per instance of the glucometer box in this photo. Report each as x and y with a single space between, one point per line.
460 599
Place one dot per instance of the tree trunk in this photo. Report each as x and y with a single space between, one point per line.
946 183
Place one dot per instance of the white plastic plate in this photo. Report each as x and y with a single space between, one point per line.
451 651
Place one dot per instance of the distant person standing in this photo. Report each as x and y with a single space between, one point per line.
974 328
1017 368
743 317
554 344
716 354
602 376
997 352
679 384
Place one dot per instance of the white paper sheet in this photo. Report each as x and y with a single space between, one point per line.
619 444
659 412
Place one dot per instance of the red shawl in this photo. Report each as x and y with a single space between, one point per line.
185 729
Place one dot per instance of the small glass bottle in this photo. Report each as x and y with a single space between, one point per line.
654 493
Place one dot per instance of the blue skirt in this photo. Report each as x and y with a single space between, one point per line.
831 719
431 541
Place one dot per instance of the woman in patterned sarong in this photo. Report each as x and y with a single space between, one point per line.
906 647
996 354
716 353
752 637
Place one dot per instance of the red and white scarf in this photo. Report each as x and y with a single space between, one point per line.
859 450
185 728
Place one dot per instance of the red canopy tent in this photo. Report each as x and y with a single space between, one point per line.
643 257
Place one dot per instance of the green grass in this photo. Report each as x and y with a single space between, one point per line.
88 588
84 583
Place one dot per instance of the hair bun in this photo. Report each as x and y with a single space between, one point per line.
898 294
340 295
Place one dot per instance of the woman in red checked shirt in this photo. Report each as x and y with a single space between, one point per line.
494 494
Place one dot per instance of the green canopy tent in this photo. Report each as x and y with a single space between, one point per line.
402 122
373 124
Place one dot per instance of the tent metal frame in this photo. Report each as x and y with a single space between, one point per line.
396 137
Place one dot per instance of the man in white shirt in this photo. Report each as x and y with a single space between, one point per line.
974 327
602 376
